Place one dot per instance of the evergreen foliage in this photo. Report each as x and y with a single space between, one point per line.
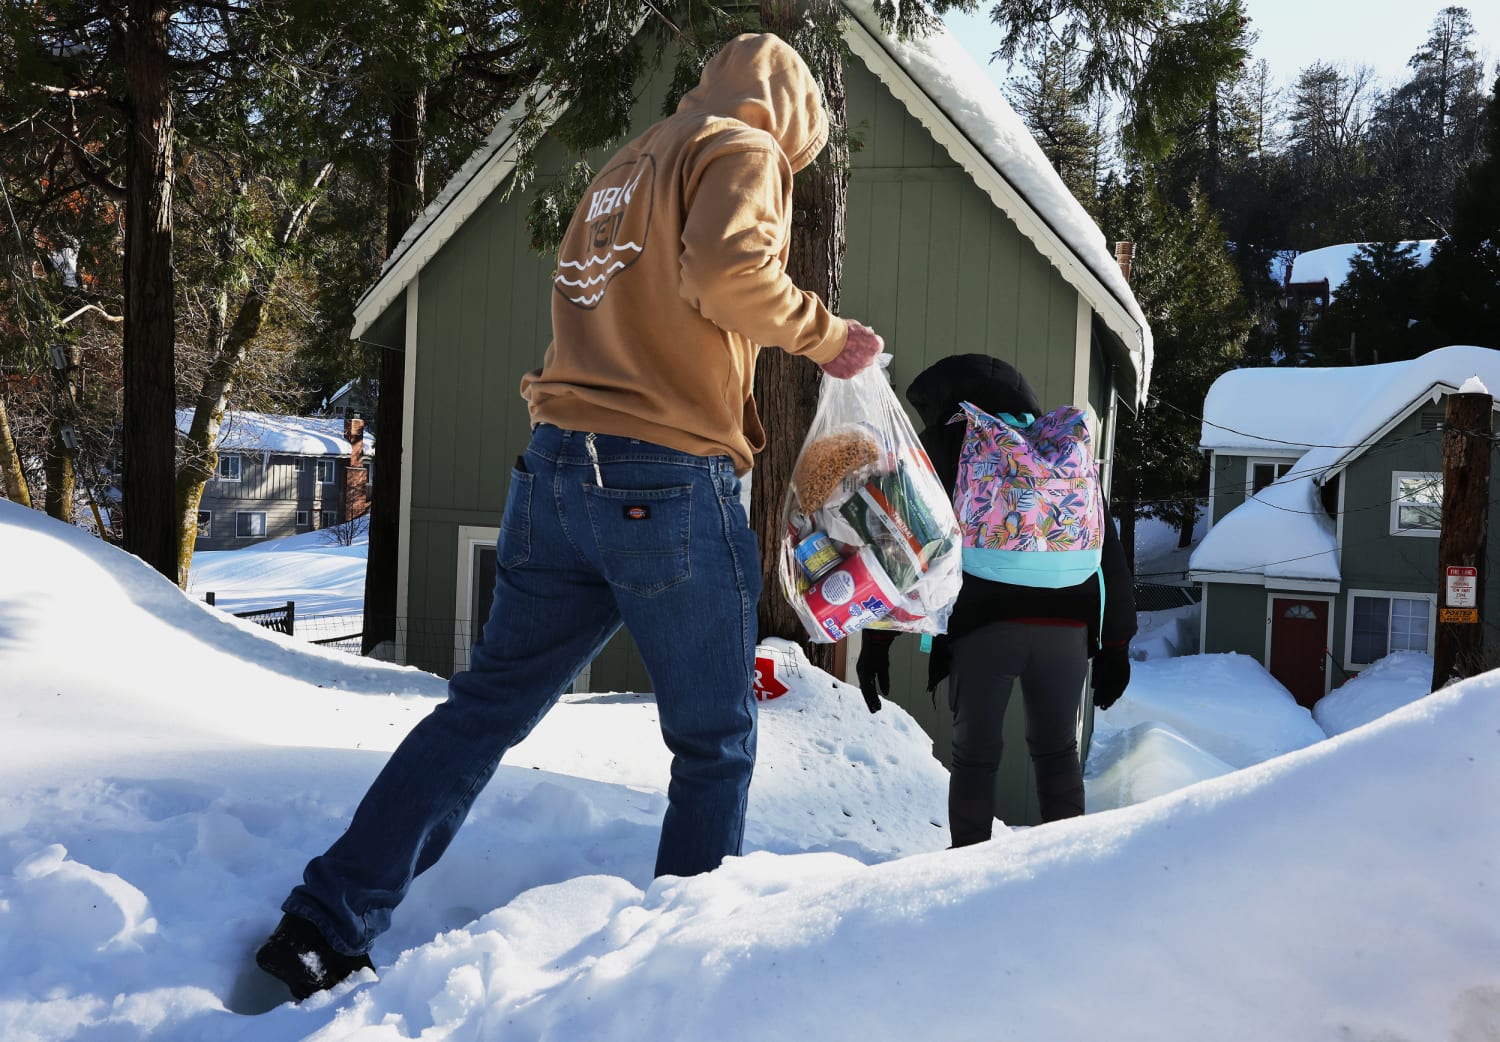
1373 316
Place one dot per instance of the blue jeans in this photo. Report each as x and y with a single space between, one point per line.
596 532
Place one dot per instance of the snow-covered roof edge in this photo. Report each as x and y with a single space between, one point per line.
945 90
922 74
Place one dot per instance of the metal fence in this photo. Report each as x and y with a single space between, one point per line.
1161 596
341 631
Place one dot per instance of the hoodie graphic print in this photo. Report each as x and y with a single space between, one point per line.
616 232
672 273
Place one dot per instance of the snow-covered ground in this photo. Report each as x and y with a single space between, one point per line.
320 575
165 771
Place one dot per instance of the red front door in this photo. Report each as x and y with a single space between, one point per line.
1299 637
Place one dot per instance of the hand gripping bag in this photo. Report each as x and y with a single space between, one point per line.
869 537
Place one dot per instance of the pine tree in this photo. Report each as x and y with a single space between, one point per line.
1428 128
1370 318
1465 267
1047 100
1187 286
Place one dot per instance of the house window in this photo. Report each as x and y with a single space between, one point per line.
327 518
229 467
1263 472
1416 503
302 521
250 524
205 523
1380 623
325 471
301 465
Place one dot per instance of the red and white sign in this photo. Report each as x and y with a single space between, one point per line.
767 686
1462 587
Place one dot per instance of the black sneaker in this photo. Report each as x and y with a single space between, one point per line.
297 955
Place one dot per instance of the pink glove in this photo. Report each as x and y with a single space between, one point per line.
862 348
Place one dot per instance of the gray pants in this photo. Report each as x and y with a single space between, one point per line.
1051 663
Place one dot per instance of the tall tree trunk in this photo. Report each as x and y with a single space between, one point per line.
60 465
12 477
200 458
404 175
786 386
150 313
61 475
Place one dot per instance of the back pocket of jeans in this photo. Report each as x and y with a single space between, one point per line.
642 536
514 546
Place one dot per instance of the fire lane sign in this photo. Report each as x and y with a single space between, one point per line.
1462 585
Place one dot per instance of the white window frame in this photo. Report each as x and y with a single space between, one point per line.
1384 595
205 530
328 518
1280 466
239 467
1397 501
303 519
250 513
469 537
301 464
333 471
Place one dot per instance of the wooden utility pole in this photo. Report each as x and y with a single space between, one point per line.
1459 648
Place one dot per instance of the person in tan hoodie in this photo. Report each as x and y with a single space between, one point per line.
625 508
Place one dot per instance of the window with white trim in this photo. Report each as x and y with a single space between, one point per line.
1416 503
250 524
229 467
302 519
205 524
1263 472
1380 623
327 518
326 471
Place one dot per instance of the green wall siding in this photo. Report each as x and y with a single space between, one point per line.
1237 619
1230 482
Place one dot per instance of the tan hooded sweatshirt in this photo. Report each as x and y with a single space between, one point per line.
672 273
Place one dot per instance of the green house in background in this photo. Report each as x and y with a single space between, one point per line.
961 238
1325 502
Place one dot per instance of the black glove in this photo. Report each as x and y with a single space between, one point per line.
1111 675
874 667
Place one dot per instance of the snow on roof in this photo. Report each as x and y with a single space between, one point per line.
952 80
1033 194
284 435
1282 532
1331 263
1333 416
1292 410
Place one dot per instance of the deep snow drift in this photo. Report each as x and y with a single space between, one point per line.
166 770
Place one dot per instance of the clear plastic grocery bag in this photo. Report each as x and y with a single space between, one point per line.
868 532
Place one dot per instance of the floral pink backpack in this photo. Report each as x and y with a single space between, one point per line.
1027 497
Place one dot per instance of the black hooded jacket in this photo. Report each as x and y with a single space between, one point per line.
996 387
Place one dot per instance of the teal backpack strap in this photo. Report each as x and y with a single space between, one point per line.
1099 574
1026 419
927 643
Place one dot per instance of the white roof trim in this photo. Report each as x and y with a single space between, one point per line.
1434 393
465 191
1274 584
1032 224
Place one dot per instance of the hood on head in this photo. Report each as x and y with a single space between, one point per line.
983 380
761 81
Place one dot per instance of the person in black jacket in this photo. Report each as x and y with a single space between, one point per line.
1000 633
